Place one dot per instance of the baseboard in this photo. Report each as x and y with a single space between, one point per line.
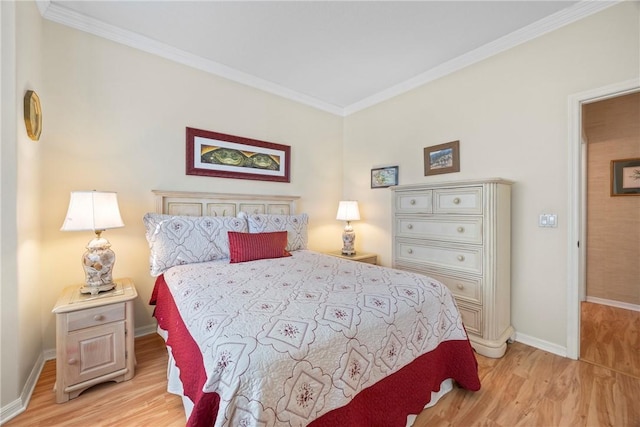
18 406
541 344
613 303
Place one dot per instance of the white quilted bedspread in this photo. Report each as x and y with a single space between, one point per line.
286 340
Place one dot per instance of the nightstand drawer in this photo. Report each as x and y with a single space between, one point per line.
449 229
95 316
418 202
458 200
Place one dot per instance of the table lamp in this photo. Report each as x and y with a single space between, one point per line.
96 211
348 211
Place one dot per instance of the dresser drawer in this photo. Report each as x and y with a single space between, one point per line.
471 317
414 202
466 200
456 257
450 229
95 316
463 288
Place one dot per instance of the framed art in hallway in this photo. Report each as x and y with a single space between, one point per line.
442 158
384 177
625 177
228 156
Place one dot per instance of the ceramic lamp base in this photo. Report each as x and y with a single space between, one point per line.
98 263
348 239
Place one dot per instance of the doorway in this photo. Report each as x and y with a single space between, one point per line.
610 315
576 289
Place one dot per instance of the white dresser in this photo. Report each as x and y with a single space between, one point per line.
460 234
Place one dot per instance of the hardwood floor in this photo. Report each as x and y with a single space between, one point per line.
527 387
610 337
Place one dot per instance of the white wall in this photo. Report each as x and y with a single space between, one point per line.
21 287
115 120
510 114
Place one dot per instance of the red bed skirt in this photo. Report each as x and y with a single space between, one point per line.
385 404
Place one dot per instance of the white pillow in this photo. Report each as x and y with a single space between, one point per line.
294 225
176 240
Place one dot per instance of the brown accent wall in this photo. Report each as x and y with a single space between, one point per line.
612 130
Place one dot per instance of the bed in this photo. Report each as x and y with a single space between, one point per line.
262 331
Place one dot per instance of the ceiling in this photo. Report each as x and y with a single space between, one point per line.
339 56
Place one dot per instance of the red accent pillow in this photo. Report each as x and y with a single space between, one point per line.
253 246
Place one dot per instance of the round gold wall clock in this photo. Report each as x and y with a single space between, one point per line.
32 115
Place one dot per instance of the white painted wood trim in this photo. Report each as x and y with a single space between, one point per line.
575 256
613 303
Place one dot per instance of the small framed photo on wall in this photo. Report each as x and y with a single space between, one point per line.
443 158
625 177
384 177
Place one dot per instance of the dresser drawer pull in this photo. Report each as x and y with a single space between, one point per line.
409 226
412 201
456 201
460 229
72 361
460 257
460 286
409 251
98 317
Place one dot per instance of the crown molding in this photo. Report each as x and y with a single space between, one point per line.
552 22
56 13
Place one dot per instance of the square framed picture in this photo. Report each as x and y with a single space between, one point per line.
625 177
443 158
384 177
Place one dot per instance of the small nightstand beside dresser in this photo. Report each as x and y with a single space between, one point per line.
94 338
358 256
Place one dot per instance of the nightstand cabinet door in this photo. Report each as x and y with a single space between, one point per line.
93 352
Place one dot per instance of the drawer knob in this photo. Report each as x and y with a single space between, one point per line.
98 317
460 286
412 201
460 257
456 201
409 226
409 251
460 229
72 361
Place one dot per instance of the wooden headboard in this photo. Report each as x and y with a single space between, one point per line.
221 204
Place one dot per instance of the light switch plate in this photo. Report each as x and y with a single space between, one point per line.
548 220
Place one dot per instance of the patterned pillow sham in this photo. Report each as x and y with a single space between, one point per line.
176 240
253 246
294 225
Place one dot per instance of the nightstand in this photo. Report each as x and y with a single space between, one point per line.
94 338
359 256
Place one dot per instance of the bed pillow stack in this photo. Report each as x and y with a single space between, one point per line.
177 240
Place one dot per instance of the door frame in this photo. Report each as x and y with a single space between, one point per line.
576 283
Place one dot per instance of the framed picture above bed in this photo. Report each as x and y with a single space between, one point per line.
443 158
227 156
625 177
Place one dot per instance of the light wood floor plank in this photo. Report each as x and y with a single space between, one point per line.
527 387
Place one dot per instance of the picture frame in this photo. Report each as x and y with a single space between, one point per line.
442 158
384 177
221 155
625 177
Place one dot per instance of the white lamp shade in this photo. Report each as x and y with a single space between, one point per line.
92 210
348 211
